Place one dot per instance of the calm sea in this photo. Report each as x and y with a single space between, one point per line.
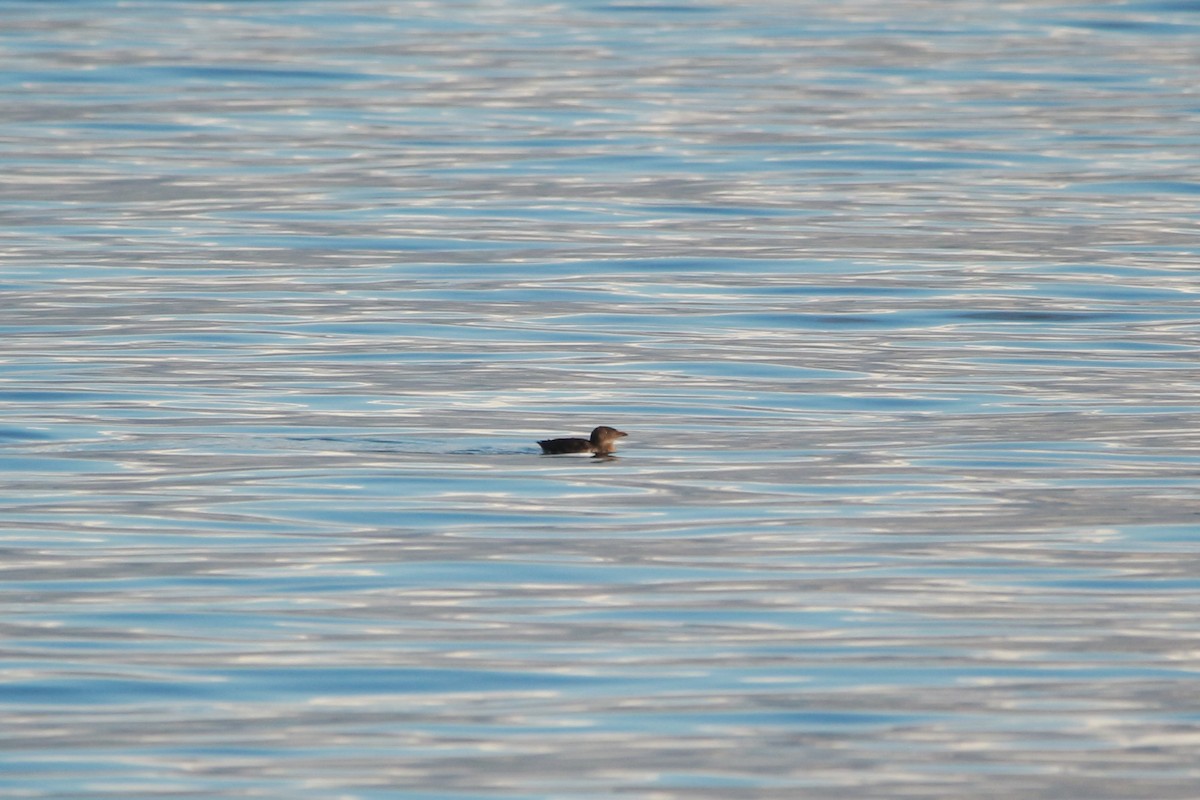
897 301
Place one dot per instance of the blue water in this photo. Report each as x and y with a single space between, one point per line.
897 302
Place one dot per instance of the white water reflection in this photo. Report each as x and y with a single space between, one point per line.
897 303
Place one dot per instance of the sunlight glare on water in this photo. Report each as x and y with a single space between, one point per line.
897 302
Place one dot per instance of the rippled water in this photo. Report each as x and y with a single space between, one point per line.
897 301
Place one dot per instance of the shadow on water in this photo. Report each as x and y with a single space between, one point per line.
418 447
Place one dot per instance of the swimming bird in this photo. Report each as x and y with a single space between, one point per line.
602 442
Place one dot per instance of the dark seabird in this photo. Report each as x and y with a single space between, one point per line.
602 442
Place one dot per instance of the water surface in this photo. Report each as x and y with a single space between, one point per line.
897 302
